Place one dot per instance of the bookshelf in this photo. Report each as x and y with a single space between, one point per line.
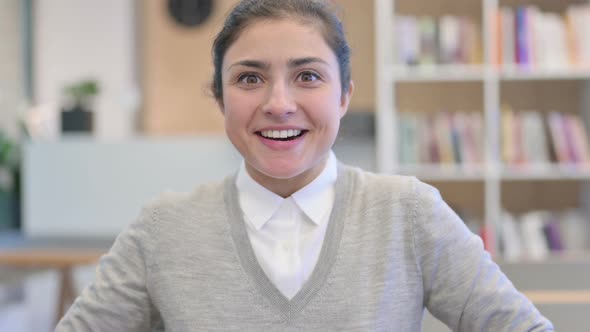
483 81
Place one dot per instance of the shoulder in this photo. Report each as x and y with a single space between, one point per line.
180 207
389 185
204 194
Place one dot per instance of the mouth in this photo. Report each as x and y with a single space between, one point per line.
282 135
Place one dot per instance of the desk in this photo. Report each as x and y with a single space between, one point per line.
61 255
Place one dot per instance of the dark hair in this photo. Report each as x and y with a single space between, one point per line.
315 11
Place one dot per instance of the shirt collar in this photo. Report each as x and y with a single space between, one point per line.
258 203
315 200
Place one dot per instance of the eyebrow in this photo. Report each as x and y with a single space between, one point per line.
292 63
251 63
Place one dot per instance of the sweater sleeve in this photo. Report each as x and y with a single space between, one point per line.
463 287
118 299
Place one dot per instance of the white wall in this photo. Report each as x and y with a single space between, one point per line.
77 39
11 64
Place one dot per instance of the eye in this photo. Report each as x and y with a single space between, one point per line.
308 76
250 78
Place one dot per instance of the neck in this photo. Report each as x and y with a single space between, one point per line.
286 187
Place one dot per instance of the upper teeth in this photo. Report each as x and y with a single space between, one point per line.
280 133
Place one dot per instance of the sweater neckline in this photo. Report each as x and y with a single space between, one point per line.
326 260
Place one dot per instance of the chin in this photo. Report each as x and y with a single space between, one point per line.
281 173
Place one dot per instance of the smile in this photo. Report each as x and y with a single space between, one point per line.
282 135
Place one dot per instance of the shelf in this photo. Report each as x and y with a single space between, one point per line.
436 73
438 172
565 257
460 73
558 296
452 172
523 74
546 172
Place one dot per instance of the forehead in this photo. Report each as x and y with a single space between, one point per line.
279 39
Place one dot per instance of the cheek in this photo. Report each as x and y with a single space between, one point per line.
324 108
237 109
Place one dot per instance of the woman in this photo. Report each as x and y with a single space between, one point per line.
295 240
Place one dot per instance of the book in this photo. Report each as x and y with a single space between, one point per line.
408 137
534 242
470 47
519 157
571 142
554 42
536 234
508 37
433 146
477 123
407 40
453 138
553 234
510 238
558 139
449 39
487 236
444 137
534 140
579 137
575 230
508 150
457 137
428 40
522 37
535 39
497 29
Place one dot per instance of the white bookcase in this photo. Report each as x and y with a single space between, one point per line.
492 174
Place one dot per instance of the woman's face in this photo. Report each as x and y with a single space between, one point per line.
282 101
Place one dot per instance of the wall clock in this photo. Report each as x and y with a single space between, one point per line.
190 13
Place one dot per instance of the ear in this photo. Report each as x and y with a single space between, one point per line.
345 99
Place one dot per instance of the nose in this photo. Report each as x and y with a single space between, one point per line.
279 101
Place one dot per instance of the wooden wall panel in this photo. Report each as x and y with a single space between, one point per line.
440 7
359 25
434 97
176 70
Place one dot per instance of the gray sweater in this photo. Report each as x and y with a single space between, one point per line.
392 248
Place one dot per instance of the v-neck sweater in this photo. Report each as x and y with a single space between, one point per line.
392 249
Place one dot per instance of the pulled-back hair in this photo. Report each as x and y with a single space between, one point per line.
308 11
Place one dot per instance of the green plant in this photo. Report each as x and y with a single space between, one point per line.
9 163
82 92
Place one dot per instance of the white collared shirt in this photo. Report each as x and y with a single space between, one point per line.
287 233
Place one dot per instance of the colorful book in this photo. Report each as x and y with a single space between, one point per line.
558 139
508 36
428 40
552 234
522 37
579 137
571 143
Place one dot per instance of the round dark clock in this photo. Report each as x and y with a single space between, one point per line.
190 13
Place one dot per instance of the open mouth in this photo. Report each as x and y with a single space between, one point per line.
281 135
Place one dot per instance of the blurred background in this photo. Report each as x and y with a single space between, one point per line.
105 104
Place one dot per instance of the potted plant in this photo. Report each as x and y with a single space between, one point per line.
76 115
9 183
